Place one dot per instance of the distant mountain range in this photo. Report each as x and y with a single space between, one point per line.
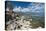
32 13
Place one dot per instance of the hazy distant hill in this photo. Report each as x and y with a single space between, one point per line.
31 13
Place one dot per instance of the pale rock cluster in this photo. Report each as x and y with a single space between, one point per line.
23 24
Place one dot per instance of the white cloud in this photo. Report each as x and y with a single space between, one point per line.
25 10
37 7
18 9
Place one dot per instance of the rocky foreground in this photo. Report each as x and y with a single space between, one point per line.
19 24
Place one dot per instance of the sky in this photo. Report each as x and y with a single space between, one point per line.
26 6
18 3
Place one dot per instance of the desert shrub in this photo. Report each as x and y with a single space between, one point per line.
37 22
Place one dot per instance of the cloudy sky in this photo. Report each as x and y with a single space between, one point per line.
26 6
